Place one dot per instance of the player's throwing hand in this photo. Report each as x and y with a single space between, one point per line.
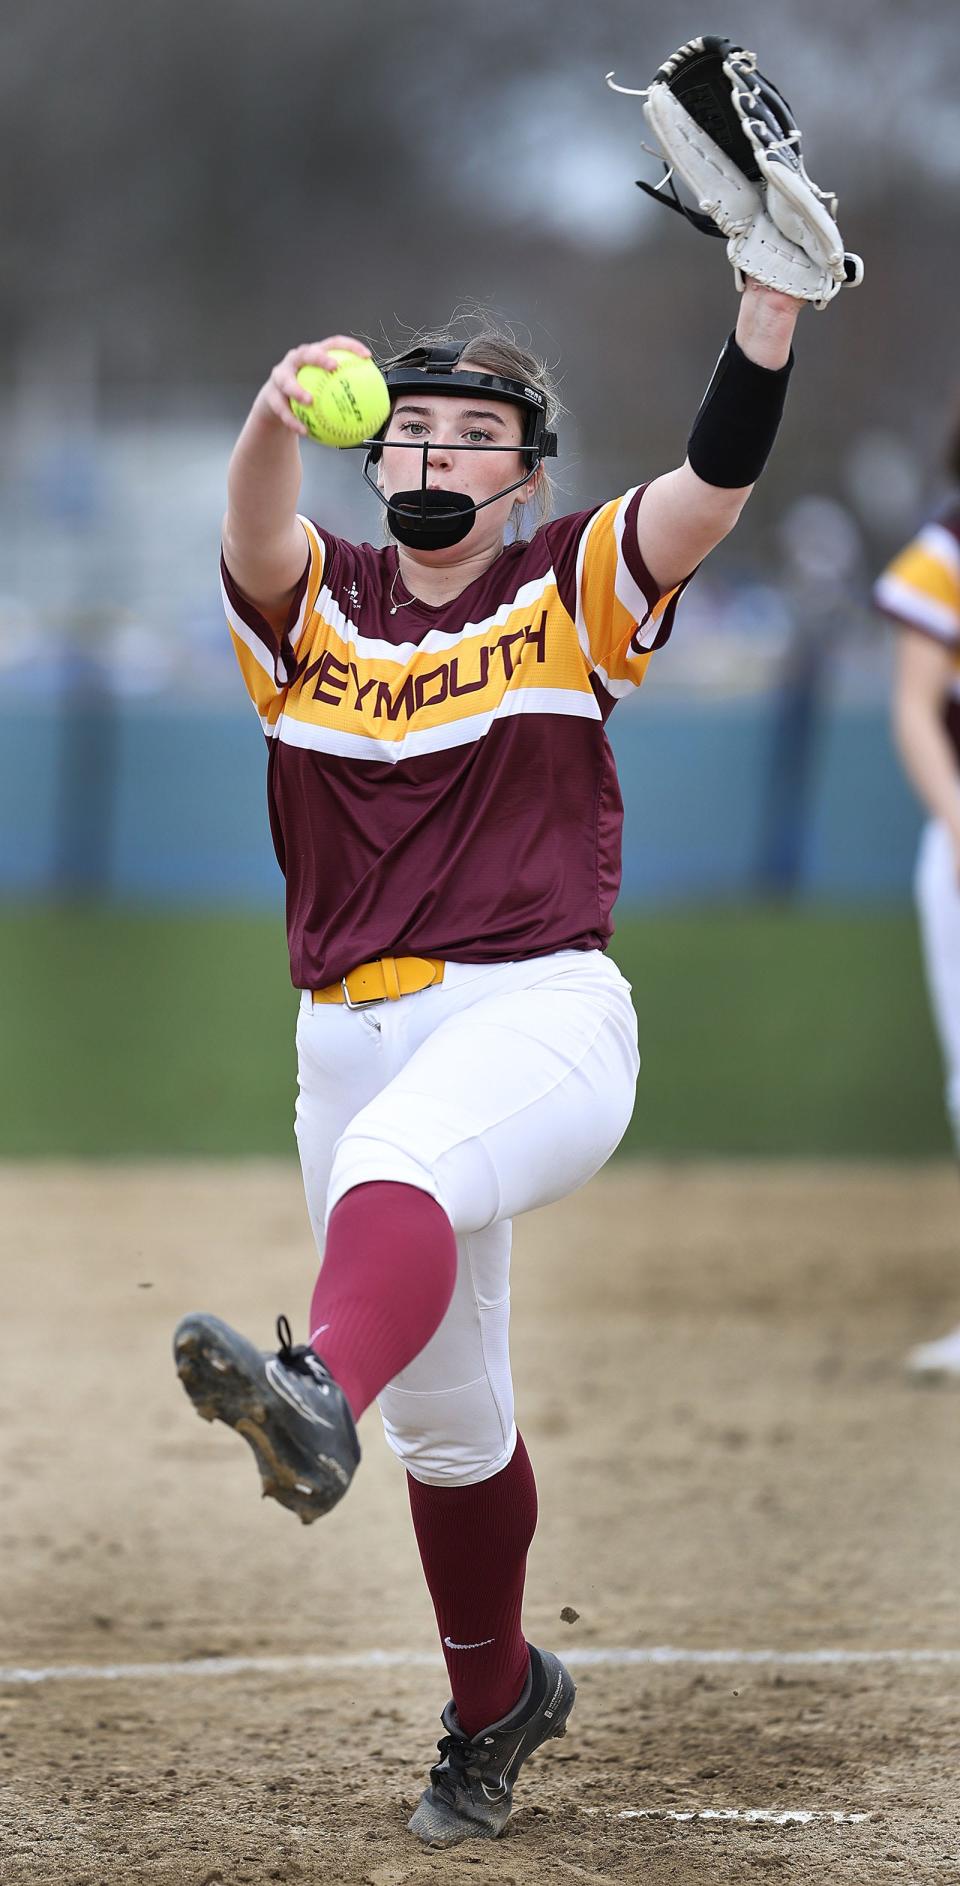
283 386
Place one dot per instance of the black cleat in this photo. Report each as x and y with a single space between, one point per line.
471 1787
288 1407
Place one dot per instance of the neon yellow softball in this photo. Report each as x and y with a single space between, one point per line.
349 404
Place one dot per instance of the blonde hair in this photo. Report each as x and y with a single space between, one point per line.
492 347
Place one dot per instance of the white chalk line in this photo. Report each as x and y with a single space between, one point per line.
583 1658
777 1817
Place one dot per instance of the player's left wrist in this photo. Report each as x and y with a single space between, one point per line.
775 303
765 325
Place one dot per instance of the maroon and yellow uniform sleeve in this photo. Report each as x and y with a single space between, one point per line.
620 612
921 587
268 658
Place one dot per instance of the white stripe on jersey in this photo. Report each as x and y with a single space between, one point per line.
248 636
941 544
437 641
924 612
458 733
318 555
628 594
626 589
579 618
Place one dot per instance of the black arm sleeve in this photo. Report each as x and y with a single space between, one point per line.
737 423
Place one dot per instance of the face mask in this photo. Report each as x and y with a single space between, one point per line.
433 520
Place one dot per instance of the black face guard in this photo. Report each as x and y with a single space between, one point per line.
434 520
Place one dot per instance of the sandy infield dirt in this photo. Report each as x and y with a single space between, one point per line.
729 1458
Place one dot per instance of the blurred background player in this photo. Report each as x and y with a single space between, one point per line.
920 590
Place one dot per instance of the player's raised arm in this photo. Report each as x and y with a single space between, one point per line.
687 512
263 542
729 134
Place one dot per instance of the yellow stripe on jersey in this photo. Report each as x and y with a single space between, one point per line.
922 585
627 667
258 679
314 579
611 603
260 667
523 649
333 688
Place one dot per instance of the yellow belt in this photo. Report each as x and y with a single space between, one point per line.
385 980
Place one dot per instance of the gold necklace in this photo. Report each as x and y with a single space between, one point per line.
394 604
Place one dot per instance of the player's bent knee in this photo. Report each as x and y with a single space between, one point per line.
453 1437
364 1158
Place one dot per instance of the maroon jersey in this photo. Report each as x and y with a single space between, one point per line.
439 778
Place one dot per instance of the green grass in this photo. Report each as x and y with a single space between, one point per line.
762 1032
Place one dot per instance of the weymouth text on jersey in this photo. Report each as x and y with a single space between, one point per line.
341 684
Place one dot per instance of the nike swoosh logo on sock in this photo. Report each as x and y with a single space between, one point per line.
478 1646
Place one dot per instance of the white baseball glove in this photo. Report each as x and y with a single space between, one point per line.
732 138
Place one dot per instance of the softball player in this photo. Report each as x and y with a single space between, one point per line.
445 808
920 589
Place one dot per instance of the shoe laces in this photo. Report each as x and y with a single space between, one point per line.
298 1356
458 1763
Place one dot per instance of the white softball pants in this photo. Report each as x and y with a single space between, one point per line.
505 1087
938 903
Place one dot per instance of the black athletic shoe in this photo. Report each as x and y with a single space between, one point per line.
288 1407
471 1787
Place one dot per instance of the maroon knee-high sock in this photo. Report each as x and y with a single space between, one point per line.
388 1272
473 1544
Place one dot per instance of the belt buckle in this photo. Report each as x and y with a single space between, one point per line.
369 1001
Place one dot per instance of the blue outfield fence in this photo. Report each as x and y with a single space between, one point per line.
144 802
